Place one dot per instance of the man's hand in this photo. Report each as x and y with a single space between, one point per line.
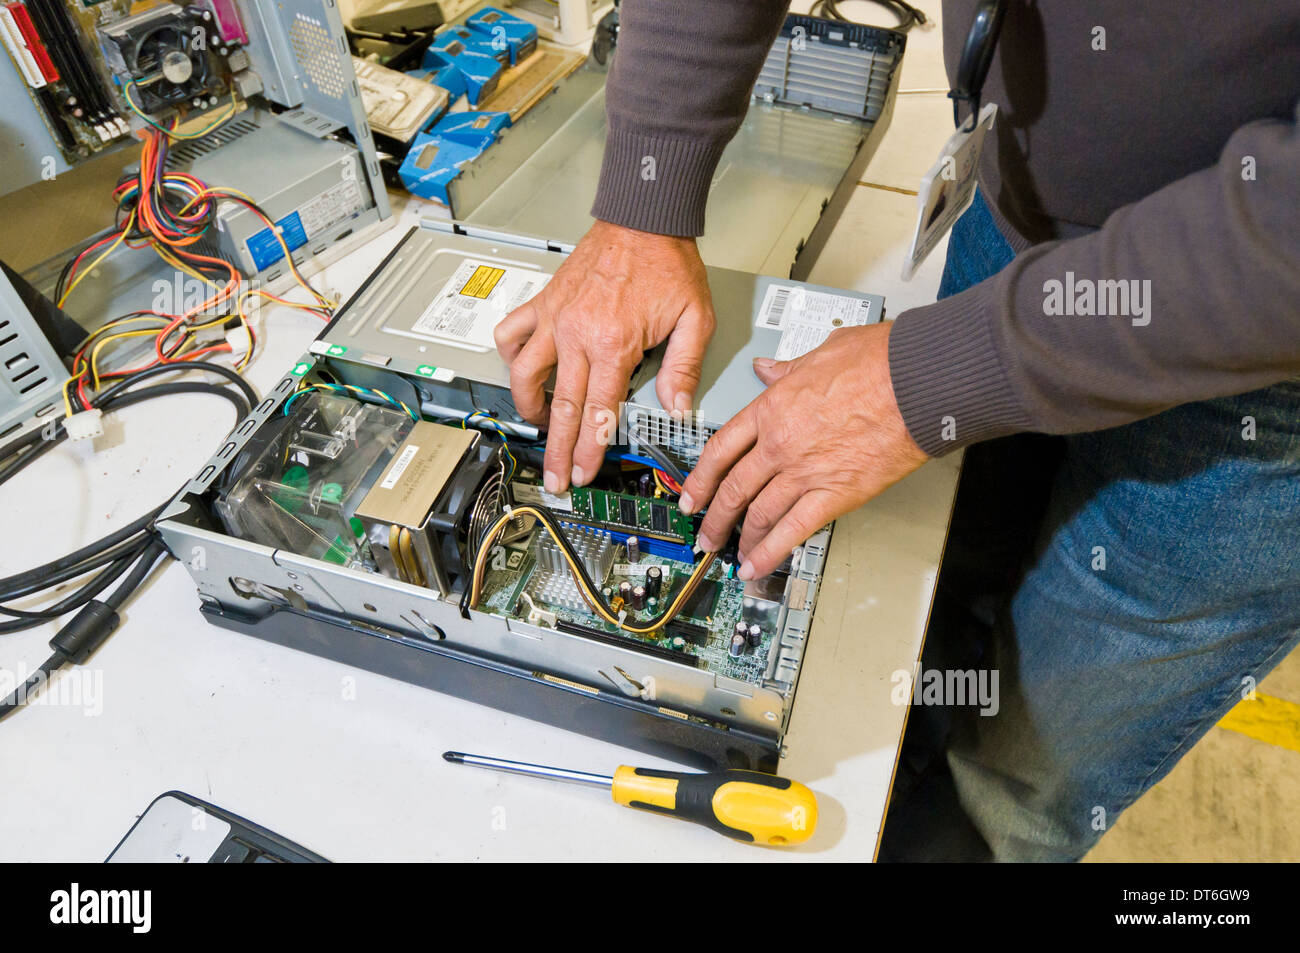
825 437
619 294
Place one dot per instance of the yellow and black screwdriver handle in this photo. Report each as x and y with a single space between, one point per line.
747 805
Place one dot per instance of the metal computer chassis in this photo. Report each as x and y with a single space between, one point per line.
370 621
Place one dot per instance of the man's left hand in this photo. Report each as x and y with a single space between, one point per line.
825 437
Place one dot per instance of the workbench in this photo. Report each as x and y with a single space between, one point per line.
348 763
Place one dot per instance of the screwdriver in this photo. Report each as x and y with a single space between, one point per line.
747 805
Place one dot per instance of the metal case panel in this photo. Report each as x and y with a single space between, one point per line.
30 370
238 579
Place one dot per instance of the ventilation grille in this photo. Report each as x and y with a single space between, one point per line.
18 369
838 67
318 57
684 439
183 153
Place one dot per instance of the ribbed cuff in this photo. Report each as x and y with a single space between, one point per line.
655 184
950 380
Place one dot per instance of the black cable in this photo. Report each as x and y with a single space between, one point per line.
40 582
157 369
659 457
75 557
85 632
136 577
908 15
117 550
30 618
19 696
110 399
38 436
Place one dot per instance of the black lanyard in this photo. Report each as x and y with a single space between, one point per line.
976 56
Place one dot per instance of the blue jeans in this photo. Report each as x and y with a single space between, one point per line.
1154 578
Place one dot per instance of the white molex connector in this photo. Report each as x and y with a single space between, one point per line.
87 423
240 341
538 615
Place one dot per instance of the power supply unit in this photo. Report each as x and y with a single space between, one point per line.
313 188
383 506
263 101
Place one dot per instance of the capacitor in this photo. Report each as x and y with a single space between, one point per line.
638 597
654 581
645 485
679 644
737 646
625 591
755 635
633 549
741 629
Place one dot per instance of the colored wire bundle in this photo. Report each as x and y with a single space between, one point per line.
350 389
170 211
130 101
500 431
658 458
589 590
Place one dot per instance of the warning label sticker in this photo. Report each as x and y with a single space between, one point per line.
475 299
482 281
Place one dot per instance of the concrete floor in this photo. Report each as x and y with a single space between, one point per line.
1233 798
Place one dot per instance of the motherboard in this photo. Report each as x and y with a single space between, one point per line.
92 67
640 550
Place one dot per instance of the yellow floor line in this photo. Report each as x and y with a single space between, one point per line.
888 188
1266 719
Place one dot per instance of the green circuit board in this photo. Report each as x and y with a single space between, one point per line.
633 513
702 641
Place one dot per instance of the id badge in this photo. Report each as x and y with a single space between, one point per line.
947 189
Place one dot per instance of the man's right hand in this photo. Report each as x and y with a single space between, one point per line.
620 293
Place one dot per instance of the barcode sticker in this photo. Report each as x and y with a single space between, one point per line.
399 467
772 312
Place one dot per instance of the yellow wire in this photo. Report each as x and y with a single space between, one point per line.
187 333
284 246
177 263
476 580
85 343
94 354
215 124
91 267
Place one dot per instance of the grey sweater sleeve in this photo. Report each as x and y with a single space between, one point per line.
1211 263
677 91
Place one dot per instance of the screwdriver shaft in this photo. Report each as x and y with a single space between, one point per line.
532 770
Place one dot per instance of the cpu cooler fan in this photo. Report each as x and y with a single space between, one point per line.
167 54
